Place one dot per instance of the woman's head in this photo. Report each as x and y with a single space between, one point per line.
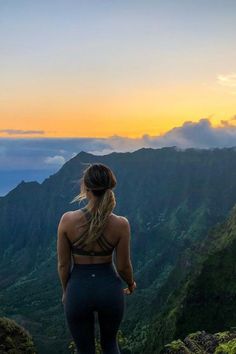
96 184
98 178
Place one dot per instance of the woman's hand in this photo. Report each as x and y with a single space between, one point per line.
63 298
130 289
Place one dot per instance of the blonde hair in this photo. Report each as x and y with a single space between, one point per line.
100 180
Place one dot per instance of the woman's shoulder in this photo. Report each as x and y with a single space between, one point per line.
75 214
67 216
122 227
121 220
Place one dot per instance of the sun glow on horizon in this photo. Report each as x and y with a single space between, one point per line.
152 112
99 69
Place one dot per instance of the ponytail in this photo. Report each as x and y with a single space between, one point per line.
105 200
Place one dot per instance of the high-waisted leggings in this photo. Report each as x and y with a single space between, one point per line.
94 287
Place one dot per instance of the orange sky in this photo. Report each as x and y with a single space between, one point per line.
129 114
97 69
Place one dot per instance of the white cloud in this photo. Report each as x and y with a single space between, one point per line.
199 134
73 154
228 81
55 160
21 132
50 154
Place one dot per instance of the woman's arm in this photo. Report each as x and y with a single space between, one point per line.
63 252
123 261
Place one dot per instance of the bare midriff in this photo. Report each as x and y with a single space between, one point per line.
81 259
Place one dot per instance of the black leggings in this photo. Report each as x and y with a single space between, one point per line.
94 287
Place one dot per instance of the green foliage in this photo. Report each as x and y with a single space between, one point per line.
201 342
15 339
205 299
172 199
226 348
177 345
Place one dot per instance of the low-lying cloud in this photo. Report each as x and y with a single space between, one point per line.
21 132
44 153
37 158
55 160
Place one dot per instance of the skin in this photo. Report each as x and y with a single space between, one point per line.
117 233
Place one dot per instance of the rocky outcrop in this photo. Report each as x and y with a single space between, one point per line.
202 342
15 339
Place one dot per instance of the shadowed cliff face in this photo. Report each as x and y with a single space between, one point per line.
206 297
211 295
14 338
202 342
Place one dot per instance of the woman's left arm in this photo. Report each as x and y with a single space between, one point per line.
63 251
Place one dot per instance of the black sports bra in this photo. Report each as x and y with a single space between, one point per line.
102 241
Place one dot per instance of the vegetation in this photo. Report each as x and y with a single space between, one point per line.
202 342
15 339
182 246
205 299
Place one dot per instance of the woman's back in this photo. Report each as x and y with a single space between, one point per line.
91 235
76 225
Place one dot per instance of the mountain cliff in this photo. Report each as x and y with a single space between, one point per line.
172 199
205 297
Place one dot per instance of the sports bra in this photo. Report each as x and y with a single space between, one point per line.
102 241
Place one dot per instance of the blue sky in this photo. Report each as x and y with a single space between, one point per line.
48 37
115 76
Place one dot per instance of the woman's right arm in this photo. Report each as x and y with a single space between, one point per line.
123 262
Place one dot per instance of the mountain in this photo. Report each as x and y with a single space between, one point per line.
172 199
206 297
10 178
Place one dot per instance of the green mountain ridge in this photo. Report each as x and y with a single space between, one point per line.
172 199
205 297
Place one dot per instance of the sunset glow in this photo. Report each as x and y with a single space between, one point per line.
98 69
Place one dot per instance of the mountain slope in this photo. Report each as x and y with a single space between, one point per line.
172 198
205 297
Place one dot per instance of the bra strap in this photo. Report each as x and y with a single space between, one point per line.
86 212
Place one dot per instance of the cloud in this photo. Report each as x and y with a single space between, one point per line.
55 160
37 158
41 153
225 122
21 132
199 134
228 81
49 154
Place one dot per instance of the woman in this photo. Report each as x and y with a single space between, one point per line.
88 236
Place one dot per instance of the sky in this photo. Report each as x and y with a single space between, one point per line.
109 75
103 67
